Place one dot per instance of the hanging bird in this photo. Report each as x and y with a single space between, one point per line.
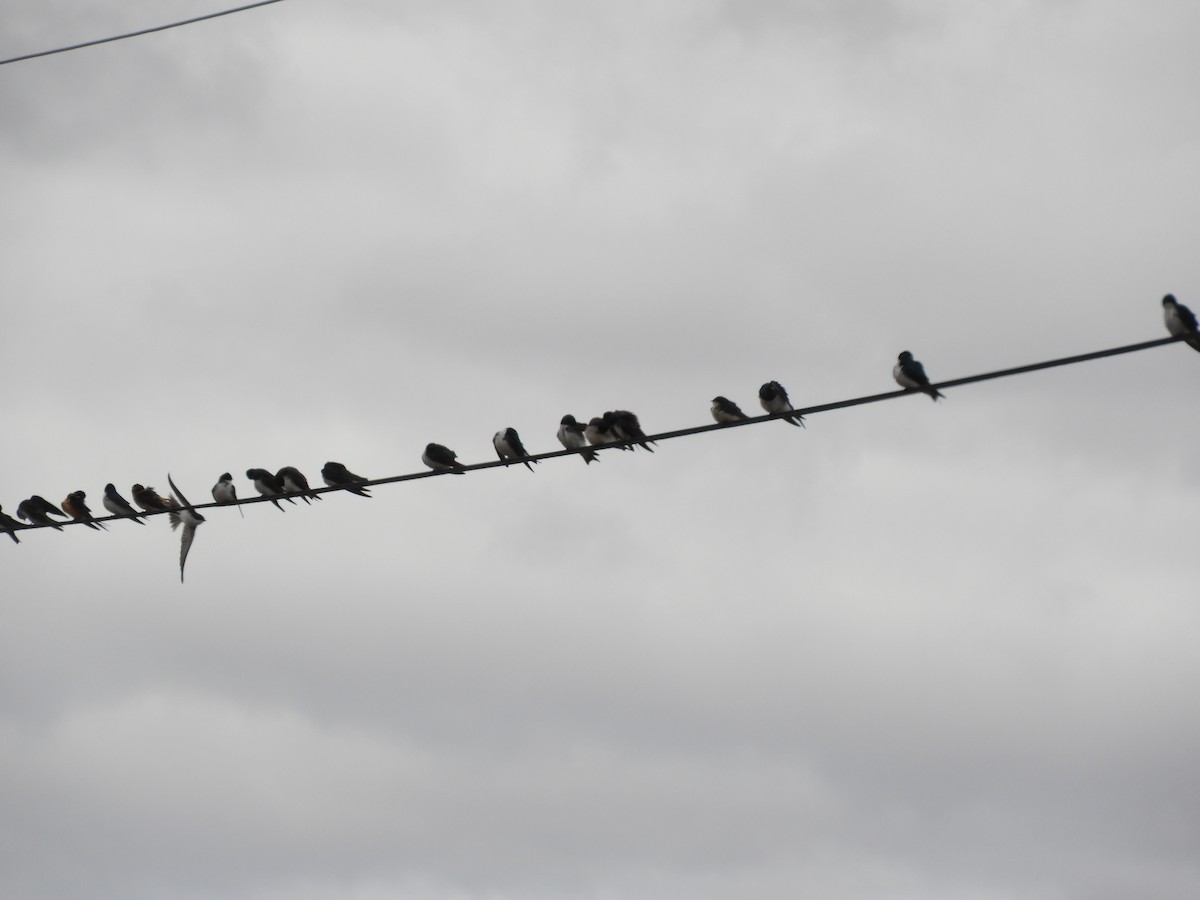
224 491
441 459
725 411
911 374
1181 321
573 436
268 485
78 510
183 514
774 399
336 475
10 526
508 446
293 479
148 499
38 509
118 505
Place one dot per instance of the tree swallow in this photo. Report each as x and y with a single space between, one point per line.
78 510
335 474
10 526
774 399
626 427
118 505
183 514
38 509
268 485
293 479
508 446
724 411
224 491
1181 321
441 459
148 499
571 435
910 374
598 431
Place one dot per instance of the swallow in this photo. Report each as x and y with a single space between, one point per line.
774 399
183 514
10 526
626 427
573 436
1181 321
336 475
268 485
910 374
293 479
598 431
148 499
725 411
441 459
78 510
38 509
508 446
118 505
224 491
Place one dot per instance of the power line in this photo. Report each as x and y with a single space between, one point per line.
121 37
683 432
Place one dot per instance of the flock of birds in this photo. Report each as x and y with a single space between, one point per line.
616 428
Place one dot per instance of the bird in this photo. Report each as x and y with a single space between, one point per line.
183 514
1181 321
268 485
508 446
910 374
626 427
573 437
118 505
293 479
599 431
774 399
335 474
78 510
726 411
148 499
10 526
225 492
38 509
441 459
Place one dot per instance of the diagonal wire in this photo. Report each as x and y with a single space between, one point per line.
121 37
685 432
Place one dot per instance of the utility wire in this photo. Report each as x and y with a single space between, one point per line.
682 432
121 37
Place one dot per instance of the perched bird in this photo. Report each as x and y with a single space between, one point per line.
725 411
598 431
78 510
572 436
626 427
10 526
148 499
1181 321
911 374
118 505
441 459
508 446
335 474
183 514
293 479
774 399
38 509
268 485
224 491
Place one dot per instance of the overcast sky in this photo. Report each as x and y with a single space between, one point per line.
913 651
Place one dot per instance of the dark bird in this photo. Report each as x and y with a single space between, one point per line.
774 399
573 437
1181 321
335 474
910 374
508 446
441 459
599 431
10 526
725 411
78 510
149 500
626 428
293 479
118 505
268 485
38 509
224 491
183 514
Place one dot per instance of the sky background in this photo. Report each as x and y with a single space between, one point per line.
913 651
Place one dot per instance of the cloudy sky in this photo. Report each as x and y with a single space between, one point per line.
913 651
